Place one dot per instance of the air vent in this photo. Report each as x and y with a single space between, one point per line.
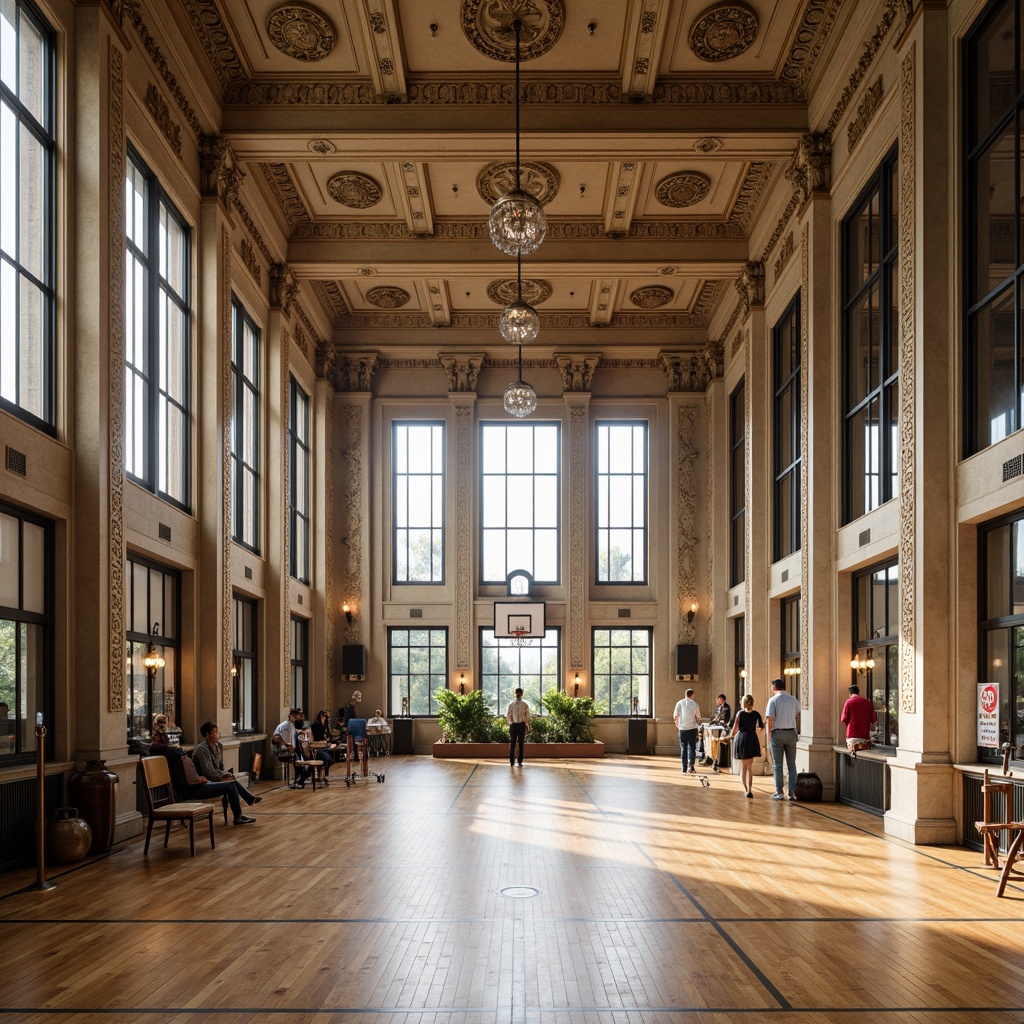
165 531
1011 468
16 461
248 573
299 596
415 613
785 575
625 613
735 600
864 538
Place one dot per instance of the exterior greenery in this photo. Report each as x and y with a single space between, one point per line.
465 718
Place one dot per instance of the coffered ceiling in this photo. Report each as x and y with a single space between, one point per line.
378 132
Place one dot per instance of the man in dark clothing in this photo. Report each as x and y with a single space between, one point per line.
188 784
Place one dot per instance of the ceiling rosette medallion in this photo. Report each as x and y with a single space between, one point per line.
387 297
683 189
540 180
488 26
301 31
354 190
503 292
723 32
651 297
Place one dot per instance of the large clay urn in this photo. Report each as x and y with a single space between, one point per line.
94 790
68 838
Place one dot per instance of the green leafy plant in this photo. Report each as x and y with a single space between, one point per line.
499 730
464 718
570 719
540 727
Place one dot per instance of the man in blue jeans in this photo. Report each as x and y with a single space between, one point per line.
782 720
687 719
188 784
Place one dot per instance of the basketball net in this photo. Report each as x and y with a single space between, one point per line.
519 638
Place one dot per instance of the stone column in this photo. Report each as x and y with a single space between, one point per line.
323 662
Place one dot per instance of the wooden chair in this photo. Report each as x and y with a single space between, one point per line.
1009 869
162 806
989 829
305 759
257 767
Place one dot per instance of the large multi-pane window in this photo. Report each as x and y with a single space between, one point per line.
876 593
504 666
519 501
299 688
622 671
244 664
417 667
621 502
786 433
157 341
790 609
28 375
993 103
153 617
26 603
871 352
245 428
737 486
739 661
298 484
418 502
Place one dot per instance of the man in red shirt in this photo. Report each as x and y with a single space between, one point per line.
859 715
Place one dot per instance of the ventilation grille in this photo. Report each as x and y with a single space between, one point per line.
785 575
864 538
735 600
299 596
16 462
165 532
625 613
415 613
248 573
1011 468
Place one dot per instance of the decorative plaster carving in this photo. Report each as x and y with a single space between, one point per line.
506 290
788 245
283 287
577 370
157 106
116 698
794 202
387 297
227 411
707 299
322 147
463 537
249 259
694 372
810 168
651 296
353 542
300 31
723 31
220 174
254 233
752 191
354 372
806 368
707 145
289 202
488 26
216 41
686 516
328 294
750 285
908 386
540 180
865 112
461 370
354 190
684 188
324 359
812 33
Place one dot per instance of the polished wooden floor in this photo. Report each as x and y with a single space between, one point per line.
463 892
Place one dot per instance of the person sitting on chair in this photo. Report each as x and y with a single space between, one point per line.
159 733
722 715
208 757
321 732
188 784
285 743
378 729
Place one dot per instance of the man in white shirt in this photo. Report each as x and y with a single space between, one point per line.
782 721
518 716
687 719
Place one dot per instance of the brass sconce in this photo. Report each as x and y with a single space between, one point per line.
791 670
576 688
863 664
348 613
153 660
462 683
691 612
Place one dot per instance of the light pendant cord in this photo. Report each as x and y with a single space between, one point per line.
518 26
520 364
519 274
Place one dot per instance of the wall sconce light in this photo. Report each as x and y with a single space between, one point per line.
153 660
791 670
348 612
865 664
576 688
743 673
235 669
691 612
462 683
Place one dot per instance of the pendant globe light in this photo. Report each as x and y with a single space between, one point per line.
520 398
517 224
519 322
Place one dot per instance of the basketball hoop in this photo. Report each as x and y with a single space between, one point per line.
519 638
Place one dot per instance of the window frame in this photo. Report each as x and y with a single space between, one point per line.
887 662
46 287
241 385
504 693
438 479
789 641
300 456
604 487
395 693
245 664
737 485
298 660
602 693
786 539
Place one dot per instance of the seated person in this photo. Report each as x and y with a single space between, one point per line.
378 729
188 784
208 757
722 716
285 742
159 732
378 723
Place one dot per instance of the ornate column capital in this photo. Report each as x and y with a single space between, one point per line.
750 285
283 287
220 174
354 371
462 370
324 359
577 370
694 373
810 167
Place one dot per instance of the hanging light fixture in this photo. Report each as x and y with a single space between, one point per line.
153 660
517 224
520 398
519 322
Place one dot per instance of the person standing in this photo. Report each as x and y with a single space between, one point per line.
782 717
518 716
687 719
858 716
748 746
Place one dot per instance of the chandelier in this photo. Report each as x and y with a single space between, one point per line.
519 322
520 398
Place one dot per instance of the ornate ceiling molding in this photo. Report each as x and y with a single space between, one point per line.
723 32
816 25
158 107
535 291
550 321
354 190
387 297
870 102
752 191
682 189
651 296
283 189
216 41
487 25
728 92
787 213
301 32
328 294
541 180
708 298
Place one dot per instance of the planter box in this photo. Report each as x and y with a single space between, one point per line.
499 751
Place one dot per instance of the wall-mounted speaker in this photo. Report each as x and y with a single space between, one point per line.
686 659
353 660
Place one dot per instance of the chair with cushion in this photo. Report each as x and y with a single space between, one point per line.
162 806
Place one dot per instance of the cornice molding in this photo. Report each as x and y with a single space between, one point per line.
286 195
489 321
216 41
816 25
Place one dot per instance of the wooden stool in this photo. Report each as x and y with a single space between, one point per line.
990 830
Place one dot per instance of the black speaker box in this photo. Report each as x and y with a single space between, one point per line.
686 659
353 660
401 736
636 736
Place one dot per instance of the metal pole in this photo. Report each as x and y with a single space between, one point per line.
41 882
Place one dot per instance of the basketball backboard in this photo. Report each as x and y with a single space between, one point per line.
519 618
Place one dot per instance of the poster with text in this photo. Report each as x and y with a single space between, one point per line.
988 715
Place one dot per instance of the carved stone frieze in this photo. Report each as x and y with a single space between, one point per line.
328 294
752 190
785 252
354 190
559 321
254 232
810 168
289 202
220 174
353 372
215 38
750 285
693 372
651 296
723 31
707 298
354 540
461 370
686 515
865 112
157 106
540 180
487 24
283 287
684 188
816 23
731 322
787 213
250 260
535 291
387 297
324 359
300 31
577 370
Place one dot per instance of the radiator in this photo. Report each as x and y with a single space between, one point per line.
862 782
19 803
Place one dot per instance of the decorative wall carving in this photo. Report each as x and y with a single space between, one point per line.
794 202
577 370
220 174
806 369
535 291
750 285
865 111
250 261
216 41
686 516
461 370
752 190
283 189
354 190
707 299
693 372
810 168
387 297
115 435
723 31
328 294
488 26
354 372
300 31
809 40
226 413
540 180
254 233
324 359
785 252
651 296
283 287
157 106
353 542
719 92
908 385
708 144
